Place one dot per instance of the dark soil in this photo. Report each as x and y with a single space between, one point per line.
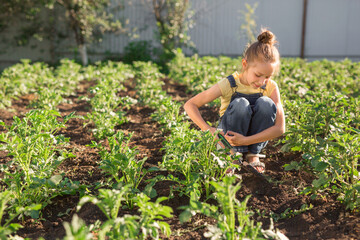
327 219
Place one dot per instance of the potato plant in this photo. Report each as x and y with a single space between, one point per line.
37 151
147 224
47 85
105 103
193 153
322 112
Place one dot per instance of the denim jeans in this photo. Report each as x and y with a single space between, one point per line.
248 115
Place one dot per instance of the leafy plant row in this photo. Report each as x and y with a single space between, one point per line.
36 151
46 86
105 102
193 154
36 148
321 101
120 163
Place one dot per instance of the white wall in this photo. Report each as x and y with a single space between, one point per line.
217 29
332 29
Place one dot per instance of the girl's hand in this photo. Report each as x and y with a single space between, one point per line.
212 130
236 139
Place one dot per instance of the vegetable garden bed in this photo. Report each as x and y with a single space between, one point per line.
296 215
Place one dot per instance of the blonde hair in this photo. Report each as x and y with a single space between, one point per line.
263 49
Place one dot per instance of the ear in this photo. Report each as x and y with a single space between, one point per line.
244 63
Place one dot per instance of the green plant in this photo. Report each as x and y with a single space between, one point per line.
105 103
77 229
193 153
109 201
173 21
234 222
122 159
288 213
322 114
249 27
46 99
23 78
138 51
37 152
151 212
145 225
8 226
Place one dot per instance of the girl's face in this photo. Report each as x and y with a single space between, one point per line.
257 73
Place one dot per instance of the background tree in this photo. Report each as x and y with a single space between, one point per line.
21 12
89 20
248 28
173 21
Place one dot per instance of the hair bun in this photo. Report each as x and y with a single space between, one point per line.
266 37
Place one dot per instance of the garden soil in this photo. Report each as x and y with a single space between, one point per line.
325 219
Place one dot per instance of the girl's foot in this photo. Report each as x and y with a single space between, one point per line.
254 161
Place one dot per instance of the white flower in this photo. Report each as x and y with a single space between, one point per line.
220 162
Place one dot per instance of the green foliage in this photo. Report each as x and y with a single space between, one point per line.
248 28
138 51
109 201
173 21
121 158
199 73
105 103
322 113
23 78
188 151
37 152
46 85
150 213
321 105
233 220
77 230
88 18
28 13
147 224
7 227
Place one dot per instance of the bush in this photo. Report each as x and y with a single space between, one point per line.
138 51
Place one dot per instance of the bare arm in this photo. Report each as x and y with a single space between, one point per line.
193 104
277 130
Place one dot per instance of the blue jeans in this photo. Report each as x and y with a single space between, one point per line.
248 115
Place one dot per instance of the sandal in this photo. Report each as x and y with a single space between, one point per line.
257 164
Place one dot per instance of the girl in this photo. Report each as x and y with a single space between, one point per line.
251 112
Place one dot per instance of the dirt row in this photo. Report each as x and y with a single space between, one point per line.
324 219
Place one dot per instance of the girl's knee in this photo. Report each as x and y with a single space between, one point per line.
241 105
265 105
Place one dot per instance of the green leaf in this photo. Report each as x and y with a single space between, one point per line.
296 148
321 166
34 214
315 161
292 166
150 191
153 169
14 227
185 216
307 156
56 179
320 182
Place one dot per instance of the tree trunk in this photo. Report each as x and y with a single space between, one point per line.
83 54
